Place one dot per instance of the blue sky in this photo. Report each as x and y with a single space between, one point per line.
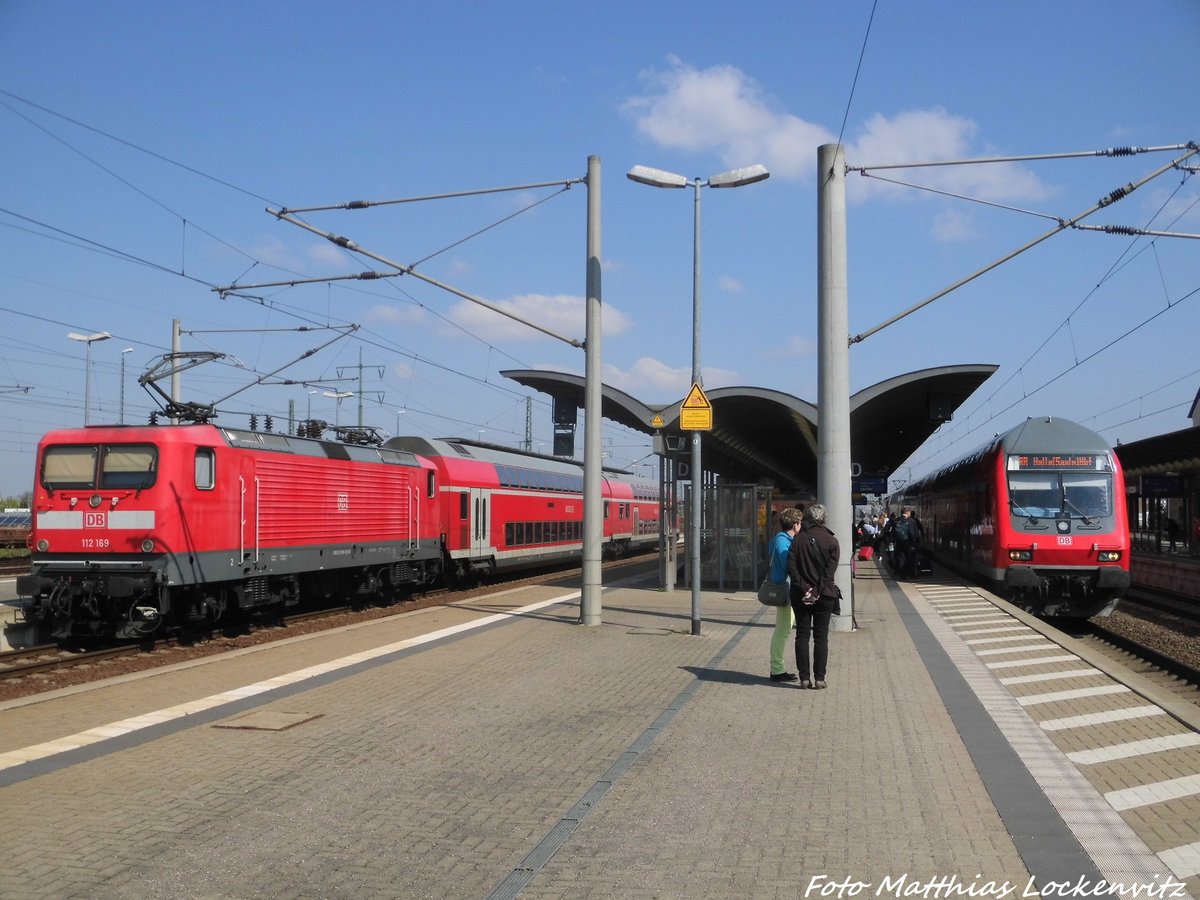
142 143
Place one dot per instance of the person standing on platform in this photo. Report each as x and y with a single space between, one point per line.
789 523
812 566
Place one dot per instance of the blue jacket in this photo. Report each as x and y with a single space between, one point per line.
780 546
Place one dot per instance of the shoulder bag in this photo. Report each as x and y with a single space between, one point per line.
769 592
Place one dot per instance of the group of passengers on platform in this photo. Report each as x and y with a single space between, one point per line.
896 539
805 554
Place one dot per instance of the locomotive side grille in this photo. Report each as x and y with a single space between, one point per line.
302 502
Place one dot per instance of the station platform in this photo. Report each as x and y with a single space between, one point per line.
497 748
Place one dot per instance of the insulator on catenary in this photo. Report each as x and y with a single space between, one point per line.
1122 229
1115 196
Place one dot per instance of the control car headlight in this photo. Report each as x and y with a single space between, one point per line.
43 545
147 545
1109 556
1020 555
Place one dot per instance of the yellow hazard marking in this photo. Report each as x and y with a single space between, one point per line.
696 399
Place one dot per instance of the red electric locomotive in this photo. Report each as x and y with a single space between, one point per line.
134 527
1038 513
140 527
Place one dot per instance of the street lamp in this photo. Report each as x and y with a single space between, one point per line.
731 179
121 417
339 396
88 339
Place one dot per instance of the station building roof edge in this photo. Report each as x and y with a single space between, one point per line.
762 434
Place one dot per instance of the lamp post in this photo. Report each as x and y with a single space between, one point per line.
121 417
731 179
339 396
88 339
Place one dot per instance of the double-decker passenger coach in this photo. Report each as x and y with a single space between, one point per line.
1038 513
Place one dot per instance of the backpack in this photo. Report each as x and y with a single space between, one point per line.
905 532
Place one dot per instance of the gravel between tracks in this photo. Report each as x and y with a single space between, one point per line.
1171 635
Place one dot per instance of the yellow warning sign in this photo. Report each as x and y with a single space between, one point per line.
657 421
696 412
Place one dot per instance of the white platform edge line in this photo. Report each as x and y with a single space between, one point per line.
145 720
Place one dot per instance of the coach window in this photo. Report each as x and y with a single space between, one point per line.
206 468
431 490
464 506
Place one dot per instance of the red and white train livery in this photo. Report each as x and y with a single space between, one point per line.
140 527
1039 513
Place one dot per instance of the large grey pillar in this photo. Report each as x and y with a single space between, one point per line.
833 368
593 504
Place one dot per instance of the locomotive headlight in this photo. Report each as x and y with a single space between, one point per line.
95 500
1109 556
147 545
1020 555
43 545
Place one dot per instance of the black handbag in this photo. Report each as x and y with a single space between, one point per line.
769 592
773 594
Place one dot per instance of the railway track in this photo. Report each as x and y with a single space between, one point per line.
35 670
1161 645
18 566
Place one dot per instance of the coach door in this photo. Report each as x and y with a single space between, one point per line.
480 522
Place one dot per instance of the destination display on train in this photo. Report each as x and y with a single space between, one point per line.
1053 461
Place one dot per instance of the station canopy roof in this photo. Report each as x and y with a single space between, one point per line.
1177 452
761 434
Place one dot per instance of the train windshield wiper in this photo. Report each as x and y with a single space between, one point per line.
1022 511
1067 504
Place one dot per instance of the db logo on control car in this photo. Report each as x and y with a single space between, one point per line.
95 519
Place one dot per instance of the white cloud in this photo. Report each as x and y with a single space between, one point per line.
325 254
934 135
953 225
396 314
275 252
563 314
653 381
731 285
1172 209
794 347
724 111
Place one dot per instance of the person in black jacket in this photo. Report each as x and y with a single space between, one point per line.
812 567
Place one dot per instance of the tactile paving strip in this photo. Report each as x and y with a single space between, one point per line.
1144 762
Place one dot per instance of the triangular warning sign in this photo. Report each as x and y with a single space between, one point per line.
696 399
